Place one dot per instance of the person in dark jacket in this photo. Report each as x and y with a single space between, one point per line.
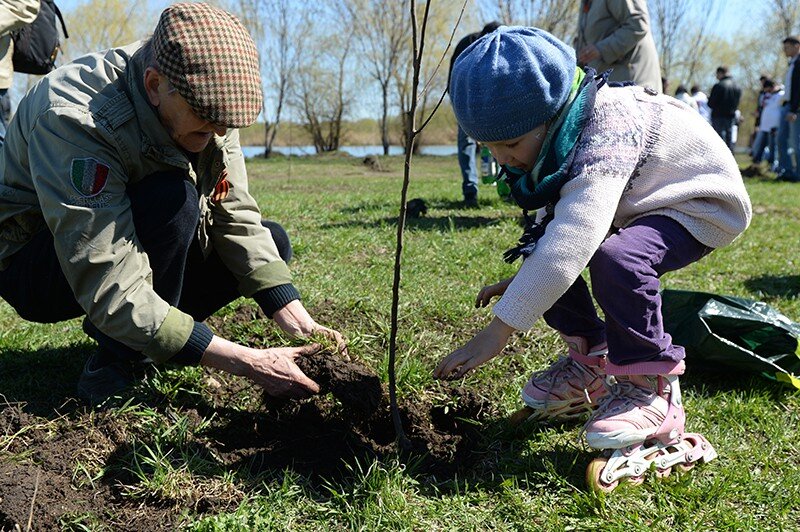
789 128
467 147
723 101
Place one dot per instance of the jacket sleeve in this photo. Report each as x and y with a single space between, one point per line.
794 98
633 27
17 13
81 187
714 96
245 246
584 213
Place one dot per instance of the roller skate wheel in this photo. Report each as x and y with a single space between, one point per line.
684 467
635 481
663 473
594 479
521 416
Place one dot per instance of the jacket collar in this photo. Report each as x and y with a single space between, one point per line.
155 140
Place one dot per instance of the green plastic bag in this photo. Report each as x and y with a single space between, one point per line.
734 333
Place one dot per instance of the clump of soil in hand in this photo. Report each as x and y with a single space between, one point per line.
356 386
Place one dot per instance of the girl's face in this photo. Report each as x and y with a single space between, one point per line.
520 152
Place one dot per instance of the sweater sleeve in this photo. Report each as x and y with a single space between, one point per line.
607 155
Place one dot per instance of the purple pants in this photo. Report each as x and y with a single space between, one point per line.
625 273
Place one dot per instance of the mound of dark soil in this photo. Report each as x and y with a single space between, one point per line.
351 420
237 431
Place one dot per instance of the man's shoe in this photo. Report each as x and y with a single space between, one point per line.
104 377
471 203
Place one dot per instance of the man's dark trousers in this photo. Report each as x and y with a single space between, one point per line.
166 213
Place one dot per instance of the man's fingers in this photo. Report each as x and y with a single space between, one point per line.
294 352
337 337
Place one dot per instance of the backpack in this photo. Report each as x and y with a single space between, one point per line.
36 45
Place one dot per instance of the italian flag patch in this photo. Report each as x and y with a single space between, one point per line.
88 176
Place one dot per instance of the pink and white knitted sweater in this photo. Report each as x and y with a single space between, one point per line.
639 155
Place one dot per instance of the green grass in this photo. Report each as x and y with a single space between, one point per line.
341 218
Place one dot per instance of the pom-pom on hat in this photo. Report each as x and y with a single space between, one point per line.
510 81
210 59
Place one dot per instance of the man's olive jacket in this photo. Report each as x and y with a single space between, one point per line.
80 137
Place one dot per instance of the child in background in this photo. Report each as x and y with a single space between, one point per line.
624 180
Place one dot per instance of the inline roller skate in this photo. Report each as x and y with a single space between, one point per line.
639 425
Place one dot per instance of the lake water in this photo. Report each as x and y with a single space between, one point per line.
355 151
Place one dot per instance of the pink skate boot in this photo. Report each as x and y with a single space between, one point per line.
639 424
569 388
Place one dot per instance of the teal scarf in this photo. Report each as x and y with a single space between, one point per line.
541 186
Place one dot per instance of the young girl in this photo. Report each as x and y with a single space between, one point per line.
633 184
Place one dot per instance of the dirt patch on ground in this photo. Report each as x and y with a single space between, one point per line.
78 468
350 420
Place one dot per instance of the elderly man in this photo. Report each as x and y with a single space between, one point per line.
123 196
616 34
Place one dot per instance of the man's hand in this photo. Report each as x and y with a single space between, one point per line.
295 321
588 53
483 347
272 369
488 292
791 117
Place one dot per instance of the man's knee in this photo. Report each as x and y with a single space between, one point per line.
165 208
281 239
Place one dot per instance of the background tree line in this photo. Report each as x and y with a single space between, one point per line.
339 71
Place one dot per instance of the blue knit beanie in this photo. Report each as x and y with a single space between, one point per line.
510 81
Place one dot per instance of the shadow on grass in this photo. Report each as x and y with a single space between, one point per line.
44 380
784 286
425 223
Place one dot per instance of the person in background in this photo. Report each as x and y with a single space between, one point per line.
724 102
467 147
616 34
759 107
770 119
683 95
702 102
789 129
13 15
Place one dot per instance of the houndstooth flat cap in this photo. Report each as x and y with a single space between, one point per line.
210 59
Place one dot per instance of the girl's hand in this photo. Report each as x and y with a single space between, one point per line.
488 292
483 347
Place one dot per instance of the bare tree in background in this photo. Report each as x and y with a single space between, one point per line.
321 91
682 37
100 24
442 18
278 29
382 30
559 17
787 12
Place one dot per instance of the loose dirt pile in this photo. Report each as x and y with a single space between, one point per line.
81 462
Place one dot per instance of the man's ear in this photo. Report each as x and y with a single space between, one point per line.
152 80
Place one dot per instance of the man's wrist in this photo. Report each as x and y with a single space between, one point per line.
275 298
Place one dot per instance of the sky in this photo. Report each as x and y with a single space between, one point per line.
735 14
